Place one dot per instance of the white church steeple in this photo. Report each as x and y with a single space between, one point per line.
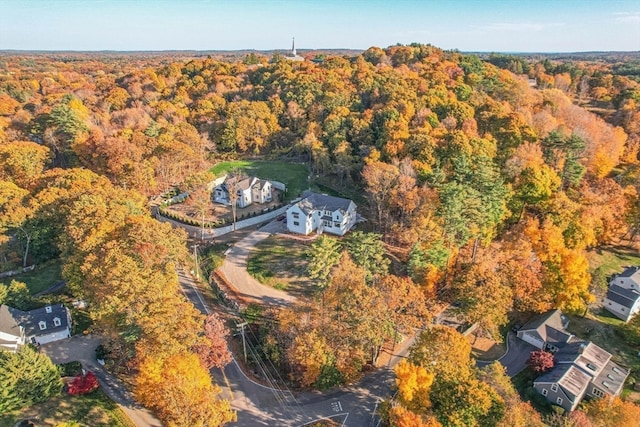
293 47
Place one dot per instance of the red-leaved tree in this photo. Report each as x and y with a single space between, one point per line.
215 352
540 361
83 384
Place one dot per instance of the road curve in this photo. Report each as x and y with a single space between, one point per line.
234 269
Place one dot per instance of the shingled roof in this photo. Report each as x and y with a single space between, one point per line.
625 297
321 202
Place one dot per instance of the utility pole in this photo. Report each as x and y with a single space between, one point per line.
195 256
244 342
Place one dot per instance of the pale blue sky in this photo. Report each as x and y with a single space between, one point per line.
467 25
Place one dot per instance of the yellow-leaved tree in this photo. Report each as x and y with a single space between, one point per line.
180 391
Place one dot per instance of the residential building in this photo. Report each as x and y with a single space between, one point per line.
321 213
546 332
623 295
582 369
39 326
249 190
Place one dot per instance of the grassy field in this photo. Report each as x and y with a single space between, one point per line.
39 279
92 410
281 263
294 175
612 259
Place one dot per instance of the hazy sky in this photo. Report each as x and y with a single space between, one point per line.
467 25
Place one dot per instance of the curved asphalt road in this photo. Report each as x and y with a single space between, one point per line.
258 405
234 269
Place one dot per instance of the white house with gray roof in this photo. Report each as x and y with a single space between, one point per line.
39 326
249 190
623 295
323 214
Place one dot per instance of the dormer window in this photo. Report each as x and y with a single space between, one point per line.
591 366
610 376
606 384
56 321
617 371
42 325
48 309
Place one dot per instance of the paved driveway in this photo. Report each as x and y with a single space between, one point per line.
234 269
81 348
515 359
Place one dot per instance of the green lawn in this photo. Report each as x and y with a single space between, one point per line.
294 175
613 259
39 279
92 410
281 263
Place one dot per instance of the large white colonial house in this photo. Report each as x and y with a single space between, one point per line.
581 367
323 214
623 295
249 190
39 326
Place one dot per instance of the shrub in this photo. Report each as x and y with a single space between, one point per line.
83 384
540 361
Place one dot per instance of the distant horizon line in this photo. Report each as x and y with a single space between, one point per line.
9 50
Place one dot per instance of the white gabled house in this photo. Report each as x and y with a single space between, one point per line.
39 326
623 295
322 214
249 190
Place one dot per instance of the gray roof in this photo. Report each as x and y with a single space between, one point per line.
630 272
30 319
612 378
319 202
572 380
8 322
549 327
624 297
588 356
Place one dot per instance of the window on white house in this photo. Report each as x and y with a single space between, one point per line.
56 321
554 387
296 223
42 325
597 392
545 391
559 401
296 215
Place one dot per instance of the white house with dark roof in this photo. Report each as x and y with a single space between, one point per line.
39 326
249 190
581 369
12 334
323 214
546 332
623 295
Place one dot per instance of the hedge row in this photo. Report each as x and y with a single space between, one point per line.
208 224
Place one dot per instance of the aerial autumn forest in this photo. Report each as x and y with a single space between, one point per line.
481 187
